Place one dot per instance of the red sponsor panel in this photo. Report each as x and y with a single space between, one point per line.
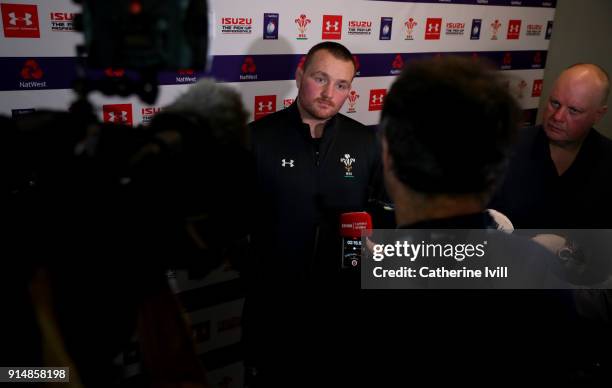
514 29
118 114
377 98
332 27
433 28
264 105
20 20
536 91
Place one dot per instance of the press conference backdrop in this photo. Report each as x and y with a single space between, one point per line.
256 47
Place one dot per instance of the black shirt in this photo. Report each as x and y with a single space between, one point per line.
533 195
304 184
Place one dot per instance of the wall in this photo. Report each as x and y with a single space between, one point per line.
47 52
582 34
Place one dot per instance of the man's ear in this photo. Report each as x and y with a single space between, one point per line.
600 113
299 73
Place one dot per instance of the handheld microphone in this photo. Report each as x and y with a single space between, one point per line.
352 226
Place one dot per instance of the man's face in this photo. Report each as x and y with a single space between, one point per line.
324 85
574 106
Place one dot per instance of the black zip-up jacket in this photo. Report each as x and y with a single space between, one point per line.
304 184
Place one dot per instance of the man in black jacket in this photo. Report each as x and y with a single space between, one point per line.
559 175
440 165
313 164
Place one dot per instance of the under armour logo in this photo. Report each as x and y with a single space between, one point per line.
261 106
377 98
123 118
27 19
514 28
329 25
285 163
433 27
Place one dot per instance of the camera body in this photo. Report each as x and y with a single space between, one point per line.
145 34
127 43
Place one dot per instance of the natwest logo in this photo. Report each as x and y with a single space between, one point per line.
409 25
186 76
433 28
31 70
20 20
514 29
248 69
236 26
537 60
332 27
352 101
148 113
117 114
397 65
32 74
360 27
536 90
302 23
506 61
62 21
264 105
377 97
